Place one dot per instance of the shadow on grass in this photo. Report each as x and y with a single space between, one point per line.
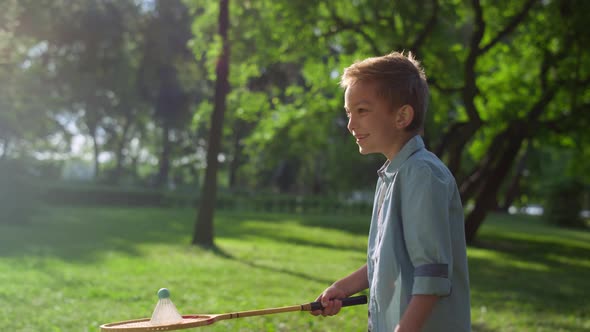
354 224
224 254
544 273
537 275
84 234
287 229
480 327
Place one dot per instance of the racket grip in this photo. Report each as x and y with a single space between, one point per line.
355 300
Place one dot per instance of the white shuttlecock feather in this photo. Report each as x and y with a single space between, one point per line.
165 311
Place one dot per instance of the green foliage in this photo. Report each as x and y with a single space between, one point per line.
551 169
9 19
564 204
92 195
292 204
19 192
93 68
249 106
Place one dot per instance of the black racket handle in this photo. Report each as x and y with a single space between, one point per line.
355 300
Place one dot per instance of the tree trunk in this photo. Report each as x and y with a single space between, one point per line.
486 198
455 145
92 126
96 153
484 183
119 153
164 169
204 233
513 190
5 146
473 183
236 161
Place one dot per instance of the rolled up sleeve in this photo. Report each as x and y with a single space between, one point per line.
426 229
432 279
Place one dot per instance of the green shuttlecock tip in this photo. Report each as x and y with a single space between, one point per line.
163 293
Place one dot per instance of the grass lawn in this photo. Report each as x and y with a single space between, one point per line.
73 269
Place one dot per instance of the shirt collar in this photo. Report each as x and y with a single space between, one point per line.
392 166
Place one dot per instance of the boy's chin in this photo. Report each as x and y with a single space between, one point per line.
365 151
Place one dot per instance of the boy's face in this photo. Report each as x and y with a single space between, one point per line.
371 120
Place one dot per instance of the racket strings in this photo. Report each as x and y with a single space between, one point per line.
148 324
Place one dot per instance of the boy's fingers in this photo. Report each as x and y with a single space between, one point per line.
316 312
332 308
337 306
327 310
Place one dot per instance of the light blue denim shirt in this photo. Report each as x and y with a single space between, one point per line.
417 243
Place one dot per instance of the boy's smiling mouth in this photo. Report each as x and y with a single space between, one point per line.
360 137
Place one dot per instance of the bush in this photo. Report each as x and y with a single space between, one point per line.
19 192
92 195
564 203
86 194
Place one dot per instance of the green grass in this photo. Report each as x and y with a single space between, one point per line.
529 276
73 269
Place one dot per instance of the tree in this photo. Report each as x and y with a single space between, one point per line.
78 54
501 77
203 232
165 55
542 102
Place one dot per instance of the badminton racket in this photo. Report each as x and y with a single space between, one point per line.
190 321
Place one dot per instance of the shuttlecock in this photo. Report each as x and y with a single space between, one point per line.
165 311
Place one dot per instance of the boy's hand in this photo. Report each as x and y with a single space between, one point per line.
329 302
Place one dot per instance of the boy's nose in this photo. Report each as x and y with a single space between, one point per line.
350 125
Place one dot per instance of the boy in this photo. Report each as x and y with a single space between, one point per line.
416 268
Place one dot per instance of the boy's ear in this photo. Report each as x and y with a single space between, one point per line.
404 116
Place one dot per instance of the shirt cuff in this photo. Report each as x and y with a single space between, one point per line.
431 286
432 279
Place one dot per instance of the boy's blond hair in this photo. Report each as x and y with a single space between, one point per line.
400 79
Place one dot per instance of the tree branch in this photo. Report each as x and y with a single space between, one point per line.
446 138
565 122
512 24
356 28
428 28
445 89
470 88
478 32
